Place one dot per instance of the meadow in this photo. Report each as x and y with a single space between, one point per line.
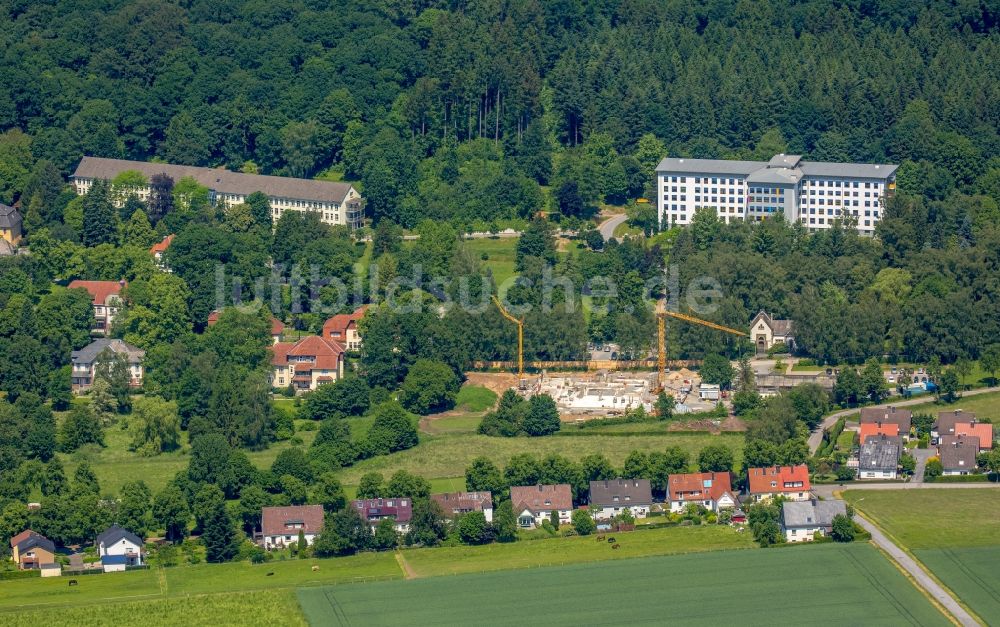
984 406
824 584
500 253
954 533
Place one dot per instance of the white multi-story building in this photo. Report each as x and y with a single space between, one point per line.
337 203
814 194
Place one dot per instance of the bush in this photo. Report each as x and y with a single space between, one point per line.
583 522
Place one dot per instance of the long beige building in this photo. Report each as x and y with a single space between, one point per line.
337 203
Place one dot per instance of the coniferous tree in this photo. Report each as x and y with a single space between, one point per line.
100 220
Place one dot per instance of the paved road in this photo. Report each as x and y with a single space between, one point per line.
816 437
607 228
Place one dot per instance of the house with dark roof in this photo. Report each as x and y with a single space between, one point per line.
343 328
307 363
958 454
802 521
611 497
712 490
766 331
84 361
791 482
398 509
946 421
879 457
120 543
334 202
107 300
454 504
534 504
902 418
277 326
280 526
31 550
10 224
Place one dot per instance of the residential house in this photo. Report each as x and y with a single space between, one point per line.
766 331
802 521
946 421
712 490
10 224
871 429
613 496
334 203
791 482
454 504
157 250
106 298
120 543
879 457
534 504
306 364
85 361
343 328
280 526
983 431
30 550
903 418
277 326
958 454
399 510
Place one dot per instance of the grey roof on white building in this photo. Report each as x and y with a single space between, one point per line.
810 514
880 453
89 353
779 176
708 166
791 163
220 180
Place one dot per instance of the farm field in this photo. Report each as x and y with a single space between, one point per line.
272 607
953 532
858 587
550 552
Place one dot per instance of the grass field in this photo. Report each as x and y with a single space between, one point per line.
826 584
552 552
984 405
953 532
501 253
475 398
271 607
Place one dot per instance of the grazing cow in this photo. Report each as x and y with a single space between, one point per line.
615 545
315 569
611 540
600 538
270 574
72 582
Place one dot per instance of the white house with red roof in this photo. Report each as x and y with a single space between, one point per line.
280 526
306 364
791 482
107 300
343 328
712 490
277 326
157 250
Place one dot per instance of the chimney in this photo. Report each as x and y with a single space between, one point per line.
540 487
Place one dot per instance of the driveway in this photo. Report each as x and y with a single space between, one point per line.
816 437
921 455
607 228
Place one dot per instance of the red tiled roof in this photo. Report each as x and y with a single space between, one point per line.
337 326
869 429
946 420
541 498
981 430
459 502
99 290
784 479
698 486
325 354
274 520
277 326
372 510
279 350
161 246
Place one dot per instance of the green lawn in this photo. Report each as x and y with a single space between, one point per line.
460 423
984 406
953 532
845 441
501 252
272 607
824 584
475 398
561 551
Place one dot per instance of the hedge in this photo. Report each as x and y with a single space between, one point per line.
19 574
992 477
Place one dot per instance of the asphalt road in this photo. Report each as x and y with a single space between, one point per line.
816 437
607 228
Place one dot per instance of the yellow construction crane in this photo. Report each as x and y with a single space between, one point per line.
520 340
661 336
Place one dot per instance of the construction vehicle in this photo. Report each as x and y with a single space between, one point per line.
661 337
520 340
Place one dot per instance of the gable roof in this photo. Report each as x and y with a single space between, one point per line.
325 354
88 354
869 429
697 486
36 540
456 502
617 492
958 453
218 179
341 322
811 514
10 218
880 452
946 420
372 510
778 327
274 521
894 415
114 533
981 430
784 478
100 291
162 245
541 498
15 540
